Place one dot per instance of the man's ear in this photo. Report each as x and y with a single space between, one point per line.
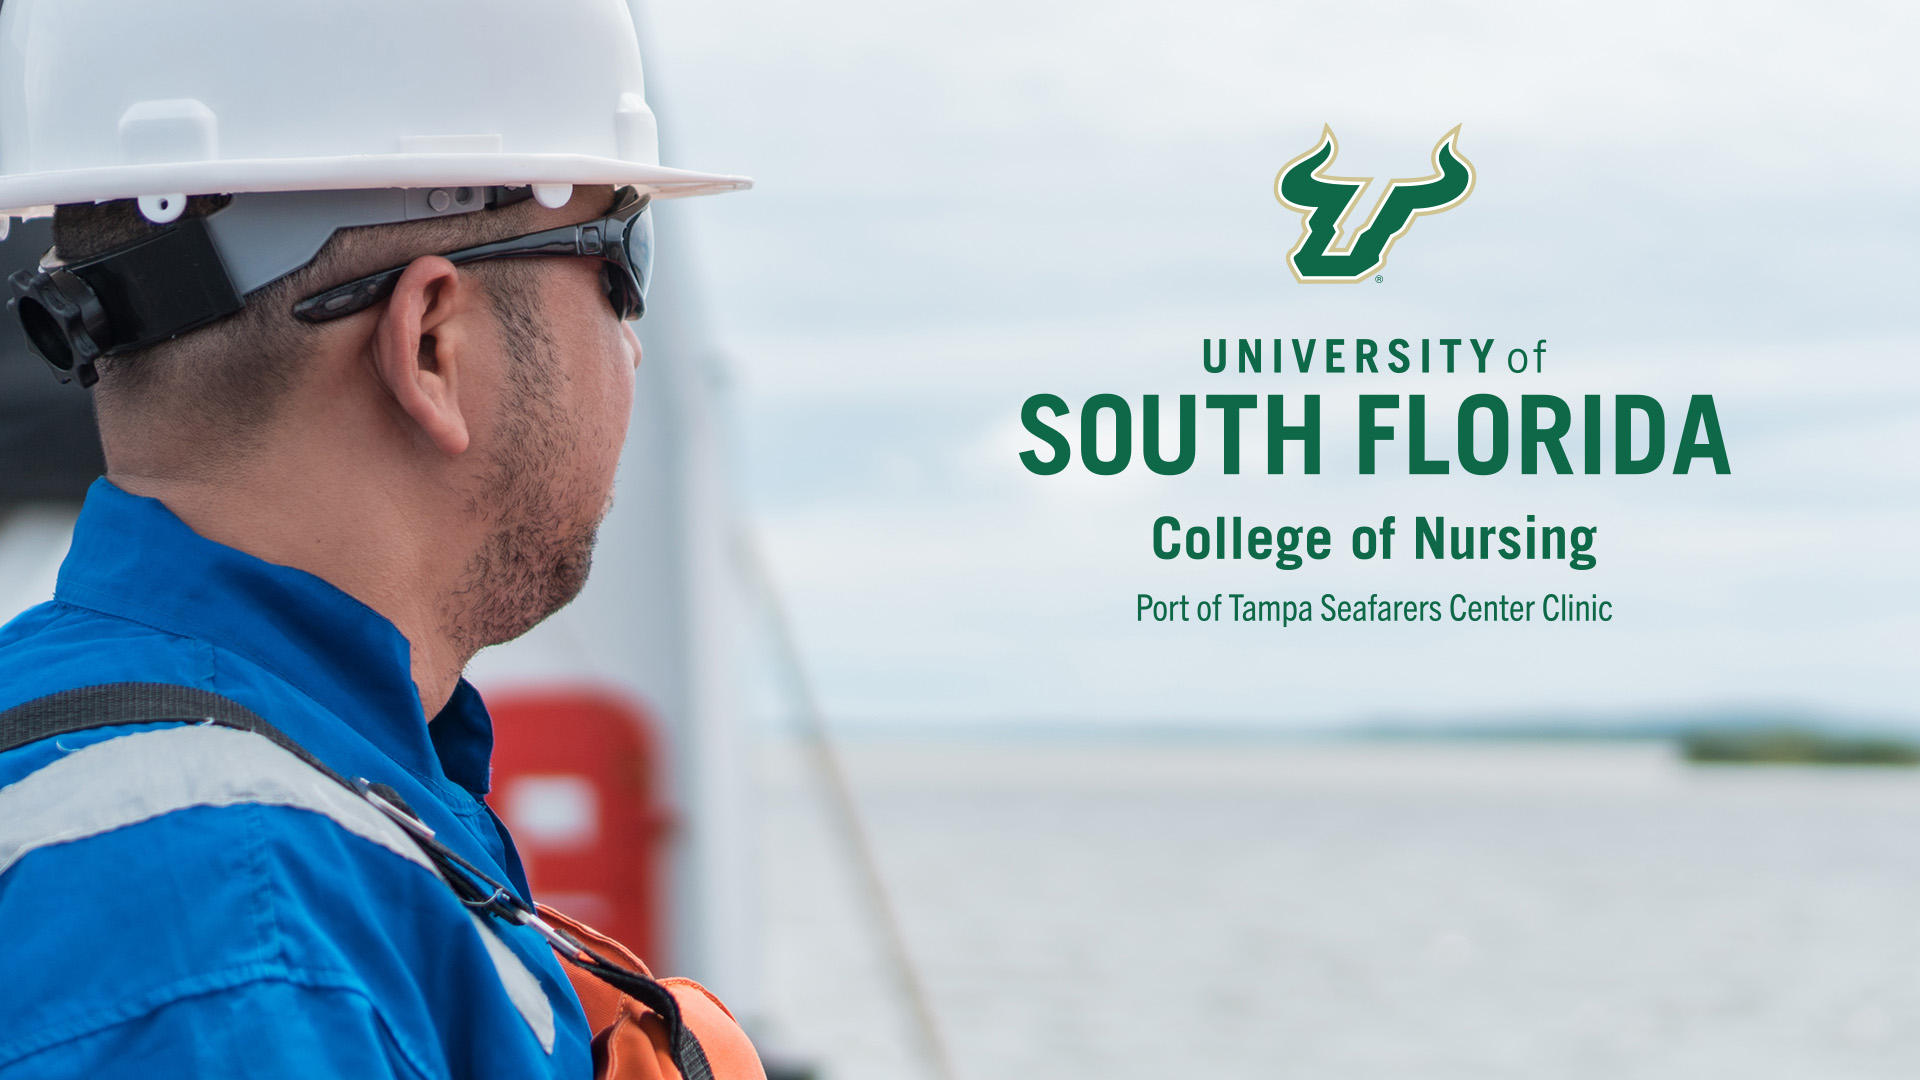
419 350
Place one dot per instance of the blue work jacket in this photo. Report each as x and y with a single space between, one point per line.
243 938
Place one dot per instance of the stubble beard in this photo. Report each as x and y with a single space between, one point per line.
539 549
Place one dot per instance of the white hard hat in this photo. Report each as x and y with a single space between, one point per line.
115 99
312 116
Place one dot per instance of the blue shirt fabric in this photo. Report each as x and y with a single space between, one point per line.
255 940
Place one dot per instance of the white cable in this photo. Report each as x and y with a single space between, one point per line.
847 814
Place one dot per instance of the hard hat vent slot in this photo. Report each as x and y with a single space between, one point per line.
177 129
635 131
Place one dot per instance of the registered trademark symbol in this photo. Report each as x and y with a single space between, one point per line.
1378 278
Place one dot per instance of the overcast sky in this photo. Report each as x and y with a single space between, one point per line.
959 205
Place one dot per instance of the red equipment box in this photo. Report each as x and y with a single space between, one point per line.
576 778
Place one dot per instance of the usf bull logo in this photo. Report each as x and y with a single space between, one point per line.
1324 202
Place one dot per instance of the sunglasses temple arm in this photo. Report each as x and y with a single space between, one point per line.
566 240
353 297
362 293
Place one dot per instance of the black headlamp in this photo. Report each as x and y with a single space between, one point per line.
154 289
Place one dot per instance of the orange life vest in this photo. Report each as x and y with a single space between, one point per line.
630 1041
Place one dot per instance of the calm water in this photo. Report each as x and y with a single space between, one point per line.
1354 910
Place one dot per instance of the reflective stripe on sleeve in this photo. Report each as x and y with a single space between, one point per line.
134 778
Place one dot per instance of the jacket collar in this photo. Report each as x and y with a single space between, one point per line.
132 558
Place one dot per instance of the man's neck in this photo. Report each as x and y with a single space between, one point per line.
378 550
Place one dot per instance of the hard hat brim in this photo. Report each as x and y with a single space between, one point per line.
27 195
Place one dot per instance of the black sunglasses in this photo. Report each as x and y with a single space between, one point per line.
622 241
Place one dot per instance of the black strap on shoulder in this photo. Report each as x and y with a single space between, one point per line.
112 704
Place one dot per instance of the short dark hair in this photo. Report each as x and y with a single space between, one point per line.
228 378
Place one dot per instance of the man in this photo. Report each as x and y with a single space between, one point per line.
333 475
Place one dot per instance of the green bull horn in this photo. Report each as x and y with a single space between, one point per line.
1325 201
